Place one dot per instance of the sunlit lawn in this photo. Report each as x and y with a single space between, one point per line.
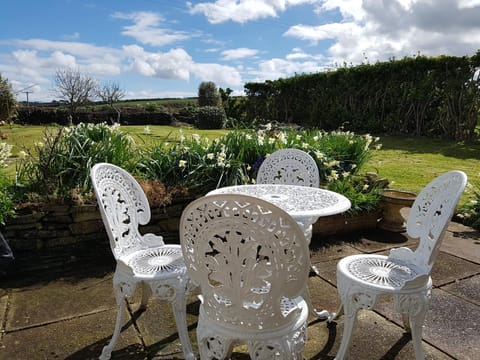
408 163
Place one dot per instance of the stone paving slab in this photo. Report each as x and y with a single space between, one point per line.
376 338
468 289
448 268
78 339
380 240
462 243
451 325
61 299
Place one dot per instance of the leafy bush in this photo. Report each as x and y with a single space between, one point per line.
62 162
210 117
469 213
234 158
59 167
7 206
363 192
208 94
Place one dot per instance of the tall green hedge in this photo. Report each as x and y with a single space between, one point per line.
422 96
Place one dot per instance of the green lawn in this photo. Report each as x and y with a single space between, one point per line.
408 163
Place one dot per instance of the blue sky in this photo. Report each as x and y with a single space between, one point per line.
166 48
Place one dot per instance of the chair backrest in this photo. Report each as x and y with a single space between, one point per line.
123 206
431 213
290 167
246 255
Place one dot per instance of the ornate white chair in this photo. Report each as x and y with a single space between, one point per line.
250 259
290 167
141 259
404 274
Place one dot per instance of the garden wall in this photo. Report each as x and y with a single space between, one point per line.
52 235
61 233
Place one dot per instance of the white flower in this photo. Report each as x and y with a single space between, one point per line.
299 137
196 137
147 130
39 144
319 155
182 163
268 127
305 145
22 154
210 156
271 140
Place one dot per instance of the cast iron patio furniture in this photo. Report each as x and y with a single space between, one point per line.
251 260
404 274
141 259
289 167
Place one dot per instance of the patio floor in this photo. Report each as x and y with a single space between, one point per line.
66 309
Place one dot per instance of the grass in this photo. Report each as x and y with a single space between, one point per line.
408 163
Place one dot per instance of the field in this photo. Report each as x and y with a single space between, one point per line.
408 163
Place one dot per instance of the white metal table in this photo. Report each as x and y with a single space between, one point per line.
305 204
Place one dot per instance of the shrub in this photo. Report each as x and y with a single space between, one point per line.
62 162
234 158
208 94
469 213
7 206
210 117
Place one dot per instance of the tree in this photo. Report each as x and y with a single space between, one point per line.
8 104
75 88
208 94
110 92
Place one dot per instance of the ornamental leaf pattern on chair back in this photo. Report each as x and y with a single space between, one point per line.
289 167
249 257
431 213
123 206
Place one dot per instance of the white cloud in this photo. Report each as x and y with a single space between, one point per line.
242 11
375 30
174 64
177 64
146 30
221 75
240 53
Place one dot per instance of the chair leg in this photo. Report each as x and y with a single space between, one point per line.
416 326
212 346
107 350
179 306
146 292
350 319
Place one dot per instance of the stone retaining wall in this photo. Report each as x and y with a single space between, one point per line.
54 226
58 227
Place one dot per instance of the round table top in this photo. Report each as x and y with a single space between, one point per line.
297 201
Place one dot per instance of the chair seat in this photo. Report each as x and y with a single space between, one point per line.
164 261
246 332
378 271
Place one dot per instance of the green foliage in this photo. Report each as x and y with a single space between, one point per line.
210 117
7 205
234 158
469 213
363 194
61 163
421 96
208 94
8 104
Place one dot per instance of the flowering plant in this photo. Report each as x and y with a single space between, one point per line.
469 213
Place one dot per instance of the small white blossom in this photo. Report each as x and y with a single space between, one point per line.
182 163
147 130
